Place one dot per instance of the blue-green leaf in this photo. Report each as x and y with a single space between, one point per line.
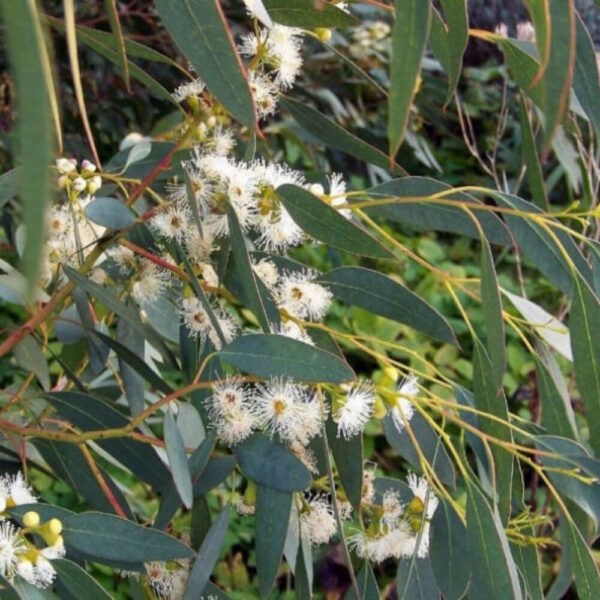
268 463
269 355
178 460
380 295
200 30
109 212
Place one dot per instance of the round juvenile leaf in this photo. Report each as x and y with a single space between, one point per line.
267 462
270 355
106 537
109 212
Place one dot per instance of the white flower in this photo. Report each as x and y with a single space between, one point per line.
198 321
249 45
223 142
293 330
232 415
392 508
268 273
172 221
420 487
283 48
123 256
151 282
403 409
356 409
287 409
199 246
41 574
160 579
11 545
301 297
383 546
317 521
265 93
185 90
337 194
278 231
15 491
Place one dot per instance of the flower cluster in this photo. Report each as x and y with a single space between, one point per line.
274 60
18 554
397 530
71 235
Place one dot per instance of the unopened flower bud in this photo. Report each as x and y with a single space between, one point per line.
389 377
87 167
323 33
63 180
79 184
94 184
31 519
65 165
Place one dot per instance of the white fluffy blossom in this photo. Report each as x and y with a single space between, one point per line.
403 408
317 521
191 88
287 409
150 283
172 221
355 409
15 491
198 321
11 545
230 411
300 296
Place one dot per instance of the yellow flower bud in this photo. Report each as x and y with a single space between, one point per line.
31 519
323 33
250 494
379 409
54 526
389 377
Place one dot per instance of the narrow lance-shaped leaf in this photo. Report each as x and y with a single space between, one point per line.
447 553
493 572
584 324
336 137
586 80
178 462
269 355
327 225
207 557
409 40
585 570
106 537
449 40
272 517
491 303
308 14
558 75
119 42
74 582
26 53
383 296
489 398
532 161
200 30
